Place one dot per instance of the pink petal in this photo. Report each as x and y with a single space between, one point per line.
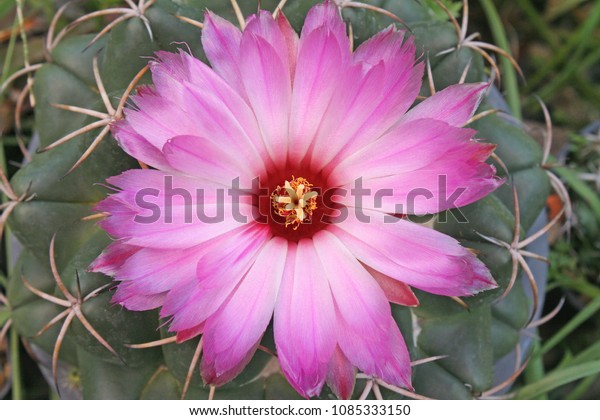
327 15
210 375
409 147
131 181
136 302
152 271
356 294
430 191
155 119
395 291
188 98
364 316
318 75
206 105
190 333
384 45
323 59
398 355
204 158
267 83
238 325
454 105
137 146
344 117
263 25
291 41
374 94
416 255
341 375
421 166
223 263
158 210
221 43
112 258
304 321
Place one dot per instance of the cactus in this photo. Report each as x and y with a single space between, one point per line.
100 350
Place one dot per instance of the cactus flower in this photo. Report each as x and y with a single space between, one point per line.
319 246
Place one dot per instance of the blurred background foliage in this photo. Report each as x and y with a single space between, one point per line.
557 45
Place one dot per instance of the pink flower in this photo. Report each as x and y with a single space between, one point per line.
307 116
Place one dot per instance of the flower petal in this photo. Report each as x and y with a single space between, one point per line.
136 302
137 146
212 106
409 147
327 15
222 264
268 28
168 211
112 258
188 98
454 105
238 325
375 92
341 375
152 271
291 40
318 75
156 119
421 166
395 291
204 158
416 255
189 333
323 58
221 43
304 322
357 296
364 316
267 82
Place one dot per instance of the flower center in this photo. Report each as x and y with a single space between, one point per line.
295 201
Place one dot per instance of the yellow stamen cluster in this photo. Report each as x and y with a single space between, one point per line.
295 201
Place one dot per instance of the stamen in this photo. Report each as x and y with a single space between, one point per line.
295 201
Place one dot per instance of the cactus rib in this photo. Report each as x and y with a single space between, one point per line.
134 10
515 248
171 340
469 41
519 368
104 119
14 199
401 391
73 309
